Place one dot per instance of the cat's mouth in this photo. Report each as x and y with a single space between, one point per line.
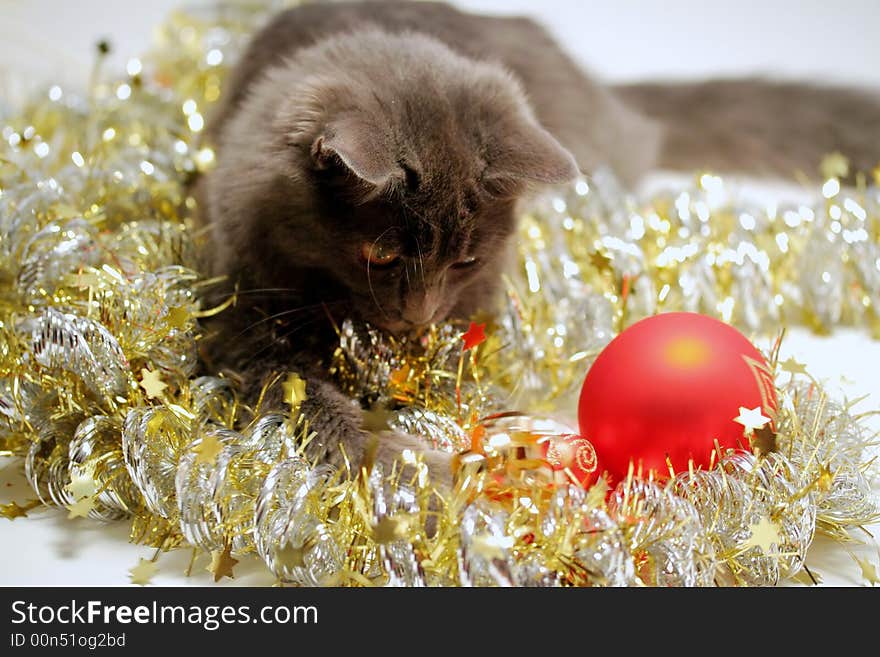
400 327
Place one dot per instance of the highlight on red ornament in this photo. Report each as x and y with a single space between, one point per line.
665 390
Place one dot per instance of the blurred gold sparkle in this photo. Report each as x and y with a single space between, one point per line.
835 165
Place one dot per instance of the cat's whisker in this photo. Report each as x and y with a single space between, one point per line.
286 313
266 290
284 336
421 260
369 277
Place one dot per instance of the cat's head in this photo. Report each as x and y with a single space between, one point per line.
413 159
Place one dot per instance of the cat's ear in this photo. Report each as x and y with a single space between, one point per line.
358 149
527 153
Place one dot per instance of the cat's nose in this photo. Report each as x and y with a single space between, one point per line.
421 308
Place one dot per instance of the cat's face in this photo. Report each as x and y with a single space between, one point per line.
422 222
385 187
415 259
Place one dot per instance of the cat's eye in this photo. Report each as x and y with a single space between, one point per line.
377 255
465 263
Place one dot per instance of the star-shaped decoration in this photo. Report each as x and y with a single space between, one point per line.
294 391
792 366
869 571
835 165
143 572
208 449
764 440
82 486
598 493
14 510
751 419
177 317
601 262
826 478
475 335
222 563
81 508
764 534
152 383
399 376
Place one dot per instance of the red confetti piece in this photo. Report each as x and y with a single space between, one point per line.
476 334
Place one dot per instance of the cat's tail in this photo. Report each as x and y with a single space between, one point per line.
760 127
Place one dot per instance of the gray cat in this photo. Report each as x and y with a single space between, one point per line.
371 156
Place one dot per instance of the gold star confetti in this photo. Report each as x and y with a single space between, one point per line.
222 563
751 419
152 383
764 440
826 479
177 317
143 572
869 571
14 510
601 262
835 165
294 391
81 508
598 493
764 534
82 486
792 366
207 450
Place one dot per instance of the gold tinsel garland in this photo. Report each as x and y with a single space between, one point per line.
100 308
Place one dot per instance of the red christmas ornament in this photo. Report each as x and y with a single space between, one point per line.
668 387
570 455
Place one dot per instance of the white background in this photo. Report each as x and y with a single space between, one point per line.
53 40
621 40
